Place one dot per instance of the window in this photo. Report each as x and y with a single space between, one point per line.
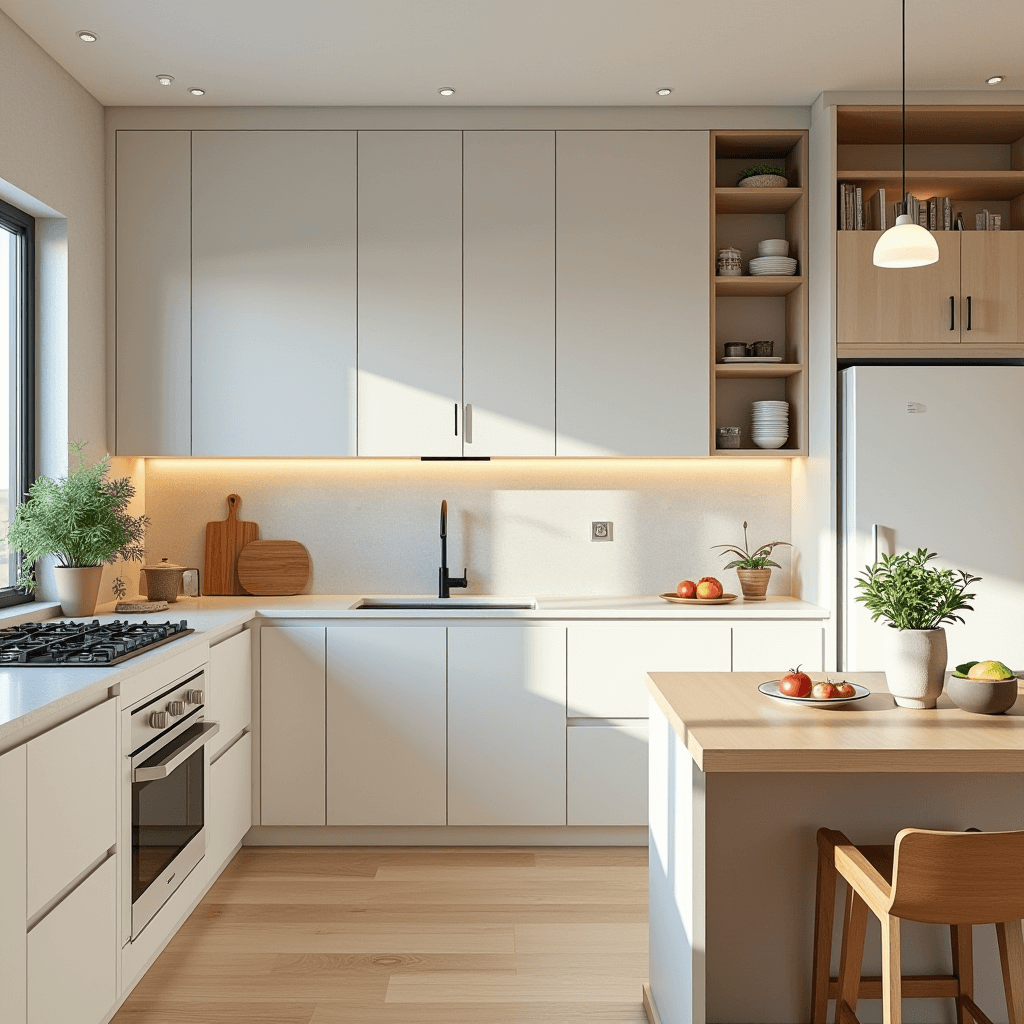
17 381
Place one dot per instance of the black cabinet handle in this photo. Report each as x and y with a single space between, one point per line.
968 312
456 419
952 312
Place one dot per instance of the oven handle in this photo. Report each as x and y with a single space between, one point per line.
178 756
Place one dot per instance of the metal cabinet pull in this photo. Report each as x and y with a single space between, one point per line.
193 738
968 312
467 424
952 312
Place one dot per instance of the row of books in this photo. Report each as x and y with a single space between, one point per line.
877 213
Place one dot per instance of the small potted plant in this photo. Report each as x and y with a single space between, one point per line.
915 600
763 176
83 520
754 568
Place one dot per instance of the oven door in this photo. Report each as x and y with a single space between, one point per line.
168 818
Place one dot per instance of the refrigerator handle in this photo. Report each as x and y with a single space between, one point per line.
952 313
874 542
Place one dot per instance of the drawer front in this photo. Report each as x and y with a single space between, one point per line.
230 801
72 954
72 801
229 701
608 665
778 647
606 774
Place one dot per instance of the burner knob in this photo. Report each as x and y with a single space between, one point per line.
176 707
194 697
158 720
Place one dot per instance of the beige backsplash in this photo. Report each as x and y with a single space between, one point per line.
518 526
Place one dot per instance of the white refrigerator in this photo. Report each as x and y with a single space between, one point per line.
933 457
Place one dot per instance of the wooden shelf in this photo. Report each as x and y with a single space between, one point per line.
960 185
752 371
760 453
931 125
756 200
769 285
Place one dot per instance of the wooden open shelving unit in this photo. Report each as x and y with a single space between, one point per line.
759 308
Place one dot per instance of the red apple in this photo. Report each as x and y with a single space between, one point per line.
708 588
824 691
687 588
795 683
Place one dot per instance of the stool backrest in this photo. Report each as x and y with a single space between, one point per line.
958 877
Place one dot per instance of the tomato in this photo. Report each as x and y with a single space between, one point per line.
824 691
687 588
845 690
795 683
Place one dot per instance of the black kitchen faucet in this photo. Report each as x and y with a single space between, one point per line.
445 582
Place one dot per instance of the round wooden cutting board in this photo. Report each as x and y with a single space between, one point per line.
273 568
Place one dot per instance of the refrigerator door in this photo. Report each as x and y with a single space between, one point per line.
933 457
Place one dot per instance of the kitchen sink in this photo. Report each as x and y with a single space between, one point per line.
482 603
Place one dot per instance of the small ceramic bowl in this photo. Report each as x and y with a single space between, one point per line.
982 696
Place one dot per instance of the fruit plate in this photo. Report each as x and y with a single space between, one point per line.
771 689
674 599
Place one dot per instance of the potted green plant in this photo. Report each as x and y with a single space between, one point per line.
915 600
83 520
763 175
754 568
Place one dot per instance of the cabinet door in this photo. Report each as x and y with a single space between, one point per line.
72 954
274 293
386 725
72 801
875 305
506 725
992 285
606 774
778 647
608 664
633 302
410 293
230 801
13 871
293 723
509 282
229 685
153 306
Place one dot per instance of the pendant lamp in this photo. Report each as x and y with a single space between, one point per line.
906 244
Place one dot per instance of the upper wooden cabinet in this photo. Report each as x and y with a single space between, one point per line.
992 287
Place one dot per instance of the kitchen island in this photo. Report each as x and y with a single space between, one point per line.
739 785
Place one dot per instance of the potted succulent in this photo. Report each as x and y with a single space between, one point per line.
763 176
754 568
83 520
915 600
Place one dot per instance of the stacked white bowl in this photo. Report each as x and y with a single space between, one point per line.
769 424
773 247
773 258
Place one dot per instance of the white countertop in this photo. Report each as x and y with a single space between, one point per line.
28 696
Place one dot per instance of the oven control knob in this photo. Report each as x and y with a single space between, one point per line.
194 696
158 720
176 707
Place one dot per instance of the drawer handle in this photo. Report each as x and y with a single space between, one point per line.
952 313
968 312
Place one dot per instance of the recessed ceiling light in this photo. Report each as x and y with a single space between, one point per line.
446 90
197 91
665 92
87 37
994 80
165 79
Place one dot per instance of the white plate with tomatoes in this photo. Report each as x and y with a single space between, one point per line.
841 694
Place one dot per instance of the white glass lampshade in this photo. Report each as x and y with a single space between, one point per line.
906 244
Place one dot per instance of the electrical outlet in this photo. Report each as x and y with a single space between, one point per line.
601 531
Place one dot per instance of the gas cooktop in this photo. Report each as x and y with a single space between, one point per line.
80 643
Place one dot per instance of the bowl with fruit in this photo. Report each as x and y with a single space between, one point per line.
706 590
983 687
798 687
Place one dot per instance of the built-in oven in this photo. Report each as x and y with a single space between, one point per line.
168 787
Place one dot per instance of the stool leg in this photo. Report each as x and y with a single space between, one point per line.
961 940
824 912
1011 959
855 922
892 979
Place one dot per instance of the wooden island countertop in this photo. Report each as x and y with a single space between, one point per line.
729 726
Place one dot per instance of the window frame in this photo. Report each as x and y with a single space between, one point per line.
23 388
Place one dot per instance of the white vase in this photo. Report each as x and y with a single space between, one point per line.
915 665
77 589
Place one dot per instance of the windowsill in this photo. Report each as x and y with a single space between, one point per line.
33 611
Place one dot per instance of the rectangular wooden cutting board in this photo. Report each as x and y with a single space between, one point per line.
224 542
274 568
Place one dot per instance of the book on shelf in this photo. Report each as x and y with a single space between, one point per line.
873 211
986 221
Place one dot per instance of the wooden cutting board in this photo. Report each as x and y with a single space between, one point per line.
224 541
273 568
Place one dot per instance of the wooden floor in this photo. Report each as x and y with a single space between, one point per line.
317 935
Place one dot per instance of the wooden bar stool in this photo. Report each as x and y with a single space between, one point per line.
954 878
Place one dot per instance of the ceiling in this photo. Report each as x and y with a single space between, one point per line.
520 52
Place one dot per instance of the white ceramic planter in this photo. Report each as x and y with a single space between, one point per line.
77 589
915 665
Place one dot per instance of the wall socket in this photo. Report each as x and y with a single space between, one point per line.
601 531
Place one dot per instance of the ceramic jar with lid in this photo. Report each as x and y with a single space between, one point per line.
729 263
163 580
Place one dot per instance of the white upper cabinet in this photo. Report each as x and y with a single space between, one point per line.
153 306
633 297
509 281
273 293
410 293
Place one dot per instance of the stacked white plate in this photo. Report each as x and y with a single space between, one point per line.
777 265
769 424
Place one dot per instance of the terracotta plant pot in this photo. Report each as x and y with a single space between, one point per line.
754 583
77 589
915 665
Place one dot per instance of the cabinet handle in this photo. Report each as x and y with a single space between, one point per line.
952 313
456 419
968 312
467 424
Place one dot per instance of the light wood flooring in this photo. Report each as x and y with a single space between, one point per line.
321 935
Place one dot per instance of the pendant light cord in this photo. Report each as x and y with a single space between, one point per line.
903 105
